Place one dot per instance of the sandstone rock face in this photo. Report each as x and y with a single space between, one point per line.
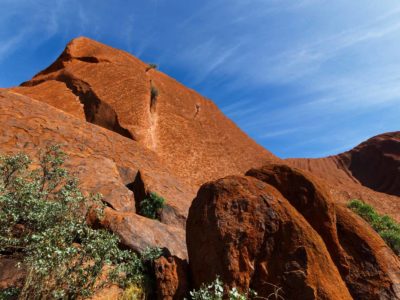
138 232
309 197
130 130
172 278
112 89
375 163
369 172
105 162
374 270
245 231
368 267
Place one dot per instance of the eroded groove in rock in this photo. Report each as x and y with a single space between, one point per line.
153 117
197 107
96 111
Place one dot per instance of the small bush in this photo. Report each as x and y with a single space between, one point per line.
152 206
43 219
133 292
153 93
151 66
384 225
215 291
9 293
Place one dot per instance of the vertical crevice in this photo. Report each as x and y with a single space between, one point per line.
139 190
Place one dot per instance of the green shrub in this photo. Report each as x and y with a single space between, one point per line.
384 225
215 291
153 93
151 66
9 293
43 219
152 206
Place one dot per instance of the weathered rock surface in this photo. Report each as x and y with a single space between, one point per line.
112 89
370 171
105 162
245 231
374 270
130 130
369 268
138 232
172 278
10 274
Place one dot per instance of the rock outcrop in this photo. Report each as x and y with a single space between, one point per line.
113 89
370 171
368 267
246 232
105 162
283 227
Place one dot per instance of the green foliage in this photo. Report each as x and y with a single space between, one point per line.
9 293
43 218
151 66
152 206
153 93
215 291
384 225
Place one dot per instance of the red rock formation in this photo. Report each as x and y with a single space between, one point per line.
172 278
187 131
370 171
105 162
245 231
131 130
369 268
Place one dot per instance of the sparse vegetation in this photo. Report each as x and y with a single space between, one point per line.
215 291
153 93
151 66
384 225
152 206
43 221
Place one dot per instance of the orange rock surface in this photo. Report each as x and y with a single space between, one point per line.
245 231
368 267
370 171
188 131
130 130
105 162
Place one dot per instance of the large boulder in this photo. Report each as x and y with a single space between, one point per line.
245 231
369 268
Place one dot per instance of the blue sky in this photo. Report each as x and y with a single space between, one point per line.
304 78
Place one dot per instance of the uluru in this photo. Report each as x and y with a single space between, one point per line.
120 181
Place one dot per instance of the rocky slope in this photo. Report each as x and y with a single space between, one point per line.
257 221
370 171
113 89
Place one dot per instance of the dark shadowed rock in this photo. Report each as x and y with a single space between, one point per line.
370 171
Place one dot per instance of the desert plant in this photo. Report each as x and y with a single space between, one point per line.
9 293
151 66
152 206
43 219
384 225
153 93
215 291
